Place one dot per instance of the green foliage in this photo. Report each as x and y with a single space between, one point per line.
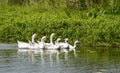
92 27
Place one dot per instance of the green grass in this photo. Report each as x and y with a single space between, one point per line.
92 27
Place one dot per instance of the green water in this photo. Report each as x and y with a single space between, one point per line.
88 60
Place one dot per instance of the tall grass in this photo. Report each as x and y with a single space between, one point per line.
93 27
110 6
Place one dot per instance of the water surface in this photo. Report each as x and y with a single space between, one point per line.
88 60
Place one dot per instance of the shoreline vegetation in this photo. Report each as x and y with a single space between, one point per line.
97 25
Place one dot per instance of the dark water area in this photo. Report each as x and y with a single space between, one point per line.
88 60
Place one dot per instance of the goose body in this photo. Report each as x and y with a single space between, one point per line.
33 45
64 45
25 45
22 45
55 46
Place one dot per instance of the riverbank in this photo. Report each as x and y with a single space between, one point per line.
91 27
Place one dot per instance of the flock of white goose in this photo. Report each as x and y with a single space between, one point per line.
42 45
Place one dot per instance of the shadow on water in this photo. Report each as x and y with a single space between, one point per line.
88 60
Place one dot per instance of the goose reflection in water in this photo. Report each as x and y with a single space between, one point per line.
32 56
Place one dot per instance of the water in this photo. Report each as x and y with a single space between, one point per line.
88 60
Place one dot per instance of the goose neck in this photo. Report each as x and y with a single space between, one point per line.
75 44
32 39
42 40
51 38
65 41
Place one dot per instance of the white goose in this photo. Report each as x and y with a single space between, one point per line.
32 43
73 48
41 43
57 41
40 46
23 45
55 46
47 45
64 45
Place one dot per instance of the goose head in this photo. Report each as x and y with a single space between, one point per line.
58 40
34 35
43 38
77 42
52 34
66 40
